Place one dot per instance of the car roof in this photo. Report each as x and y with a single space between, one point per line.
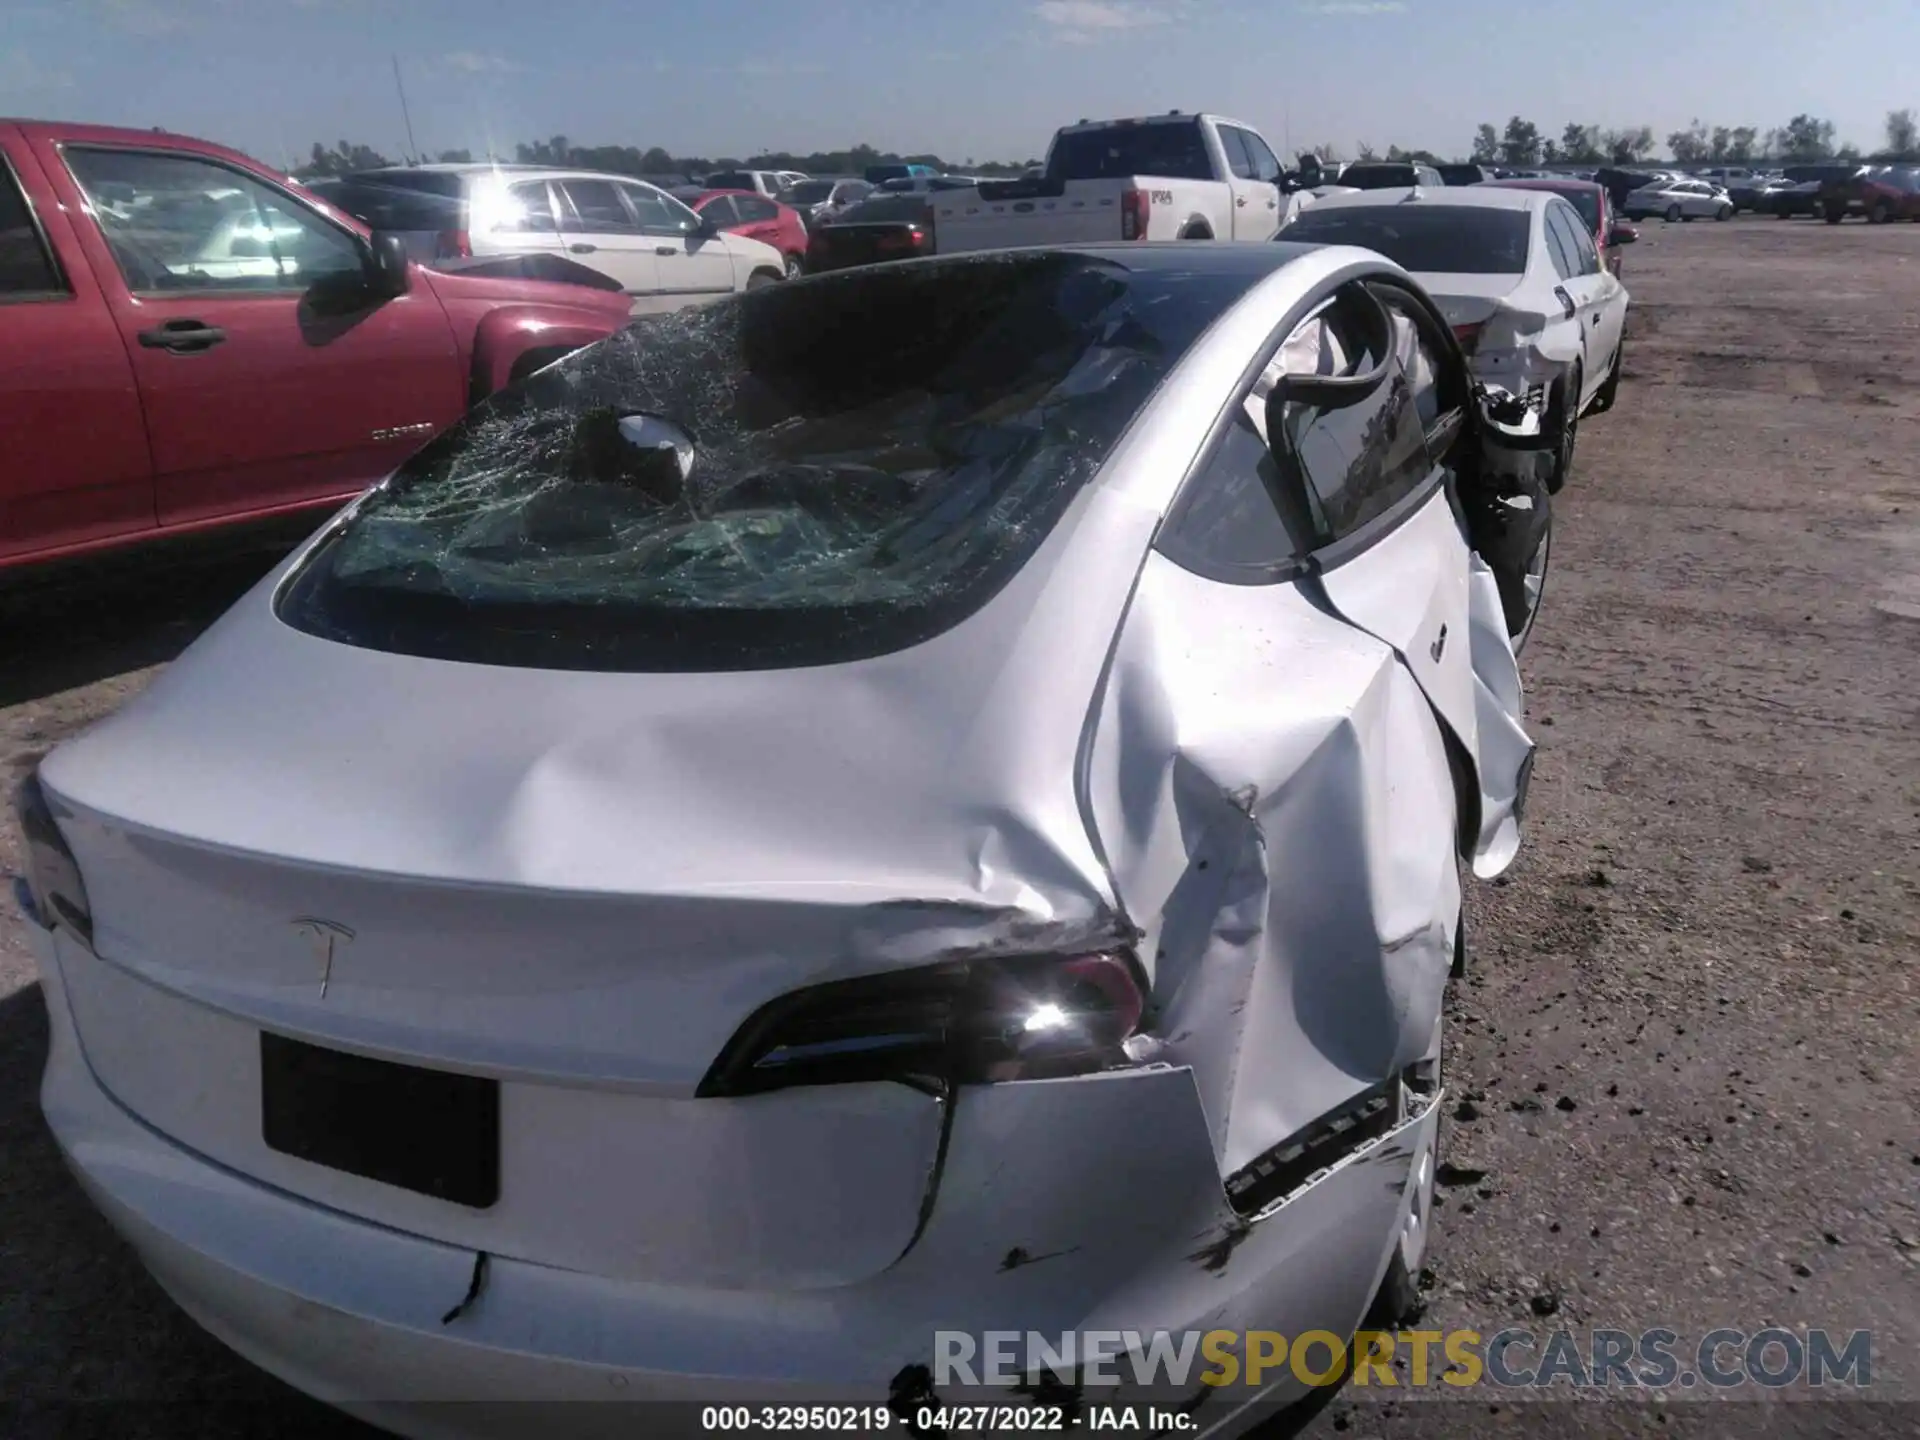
1558 186
1479 197
519 172
1169 118
1226 258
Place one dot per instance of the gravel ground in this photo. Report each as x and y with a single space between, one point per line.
1684 1058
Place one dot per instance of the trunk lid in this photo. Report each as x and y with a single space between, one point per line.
1469 299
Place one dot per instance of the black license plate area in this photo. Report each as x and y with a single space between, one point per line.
428 1131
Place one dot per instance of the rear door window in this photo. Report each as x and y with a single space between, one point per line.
720 210
754 210
1558 248
800 475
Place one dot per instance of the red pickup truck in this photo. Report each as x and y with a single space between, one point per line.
188 339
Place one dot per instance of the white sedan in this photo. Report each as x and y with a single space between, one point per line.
1678 200
757 859
1519 278
656 249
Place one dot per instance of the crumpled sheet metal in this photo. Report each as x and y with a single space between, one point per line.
1280 818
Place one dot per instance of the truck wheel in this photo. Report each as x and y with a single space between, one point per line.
796 267
1197 232
760 278
1673 213
1881 214
1833 215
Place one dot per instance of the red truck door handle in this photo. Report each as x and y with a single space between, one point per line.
183 337
583 248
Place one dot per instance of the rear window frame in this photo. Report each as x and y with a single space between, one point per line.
1300 230
910 597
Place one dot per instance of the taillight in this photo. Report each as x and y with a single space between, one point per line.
1469 335
968 1022
1136 206
453 245
54 888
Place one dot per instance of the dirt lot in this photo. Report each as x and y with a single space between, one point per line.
1685 1057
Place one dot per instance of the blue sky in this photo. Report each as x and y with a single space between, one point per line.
987 79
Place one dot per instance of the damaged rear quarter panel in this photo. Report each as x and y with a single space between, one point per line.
1272 790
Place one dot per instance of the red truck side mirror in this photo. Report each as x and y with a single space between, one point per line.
386 266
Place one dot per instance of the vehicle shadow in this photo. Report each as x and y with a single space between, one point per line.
86 621
89 1344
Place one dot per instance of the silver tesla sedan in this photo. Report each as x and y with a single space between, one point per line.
890 809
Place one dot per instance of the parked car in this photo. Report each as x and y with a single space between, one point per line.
216 344
1596 213
619 982
1790 200
881 227
817 199
1159 177
1518 277
1678 200
1464 174
1752 193
1880 193
749 213
662 254
1389 175
763 182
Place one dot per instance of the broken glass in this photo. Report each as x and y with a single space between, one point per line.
803 474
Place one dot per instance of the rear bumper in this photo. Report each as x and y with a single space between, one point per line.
354 1313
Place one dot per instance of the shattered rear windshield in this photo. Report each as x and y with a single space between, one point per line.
804 474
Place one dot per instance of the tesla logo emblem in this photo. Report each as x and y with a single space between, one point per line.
325 937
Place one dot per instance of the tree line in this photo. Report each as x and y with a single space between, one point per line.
1803 138
1520 143
343 158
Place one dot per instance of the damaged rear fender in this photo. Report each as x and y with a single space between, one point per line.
1273 792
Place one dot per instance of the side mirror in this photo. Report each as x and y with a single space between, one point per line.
1622 235
386 265
701 228
1566 301
1325 392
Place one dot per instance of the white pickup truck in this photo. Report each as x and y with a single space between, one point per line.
1159 177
